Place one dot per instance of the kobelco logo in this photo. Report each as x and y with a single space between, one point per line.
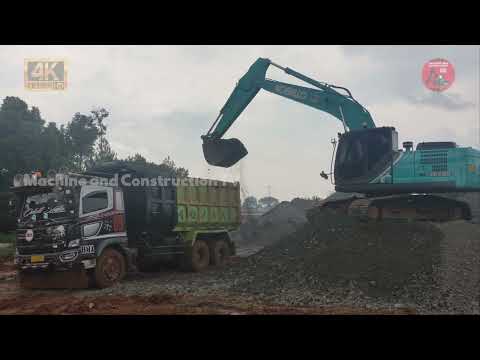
45 74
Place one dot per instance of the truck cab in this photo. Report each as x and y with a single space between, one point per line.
66 228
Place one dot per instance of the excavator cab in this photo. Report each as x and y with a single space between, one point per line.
364 154
223 152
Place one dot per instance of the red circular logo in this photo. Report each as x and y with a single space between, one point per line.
438 74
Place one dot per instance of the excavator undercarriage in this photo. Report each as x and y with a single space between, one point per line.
415 207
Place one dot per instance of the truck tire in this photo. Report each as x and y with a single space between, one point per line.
110 269
196 258
219 253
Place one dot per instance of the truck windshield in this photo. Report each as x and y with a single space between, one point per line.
47 205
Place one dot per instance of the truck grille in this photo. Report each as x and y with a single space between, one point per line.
41 243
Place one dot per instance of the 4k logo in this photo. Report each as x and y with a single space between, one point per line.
45 74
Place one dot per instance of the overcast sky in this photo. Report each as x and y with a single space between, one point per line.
162 98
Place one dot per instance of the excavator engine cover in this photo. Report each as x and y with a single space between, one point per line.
223 152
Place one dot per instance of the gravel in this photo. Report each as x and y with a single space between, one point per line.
284 219
432 268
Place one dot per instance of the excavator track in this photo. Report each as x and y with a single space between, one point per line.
414 207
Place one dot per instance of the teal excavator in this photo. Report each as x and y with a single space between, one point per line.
392 183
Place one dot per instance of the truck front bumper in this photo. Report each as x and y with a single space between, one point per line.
66 260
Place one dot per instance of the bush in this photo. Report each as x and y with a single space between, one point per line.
8 238
7 222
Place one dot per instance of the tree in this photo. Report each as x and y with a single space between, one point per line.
26 144
167 168
98 115
250 203
54 148
104 152
268 202
20 137
82 133
180 172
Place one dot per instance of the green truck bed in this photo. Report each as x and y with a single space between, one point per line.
208 206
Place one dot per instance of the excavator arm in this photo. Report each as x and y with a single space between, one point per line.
227 152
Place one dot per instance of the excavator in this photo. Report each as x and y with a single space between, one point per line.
388 182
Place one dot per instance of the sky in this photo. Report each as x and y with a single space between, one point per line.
161 99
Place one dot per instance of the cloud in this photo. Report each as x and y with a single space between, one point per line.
162 98
449 102
394 72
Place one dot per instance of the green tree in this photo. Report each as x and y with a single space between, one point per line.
54 147
180 172
268 202
82 133
103 151
167 168
26 144
20 137
250 203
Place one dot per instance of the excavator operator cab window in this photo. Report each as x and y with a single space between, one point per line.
363 154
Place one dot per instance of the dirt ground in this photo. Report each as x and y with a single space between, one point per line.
14 300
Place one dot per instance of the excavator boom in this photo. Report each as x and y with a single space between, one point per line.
227 152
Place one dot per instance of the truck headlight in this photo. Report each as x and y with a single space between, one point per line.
68 256
74 243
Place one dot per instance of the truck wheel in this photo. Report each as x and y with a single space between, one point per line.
110 269
219 253
197 257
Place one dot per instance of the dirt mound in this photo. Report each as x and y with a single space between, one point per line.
343 260
282 220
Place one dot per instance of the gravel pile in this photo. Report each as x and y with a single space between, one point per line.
459 271
284 219
432 268
340 260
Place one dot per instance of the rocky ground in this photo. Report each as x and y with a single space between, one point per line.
165 293
332 265
284 219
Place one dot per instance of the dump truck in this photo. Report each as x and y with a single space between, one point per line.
90 229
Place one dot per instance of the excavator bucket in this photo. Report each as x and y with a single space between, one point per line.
223 152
